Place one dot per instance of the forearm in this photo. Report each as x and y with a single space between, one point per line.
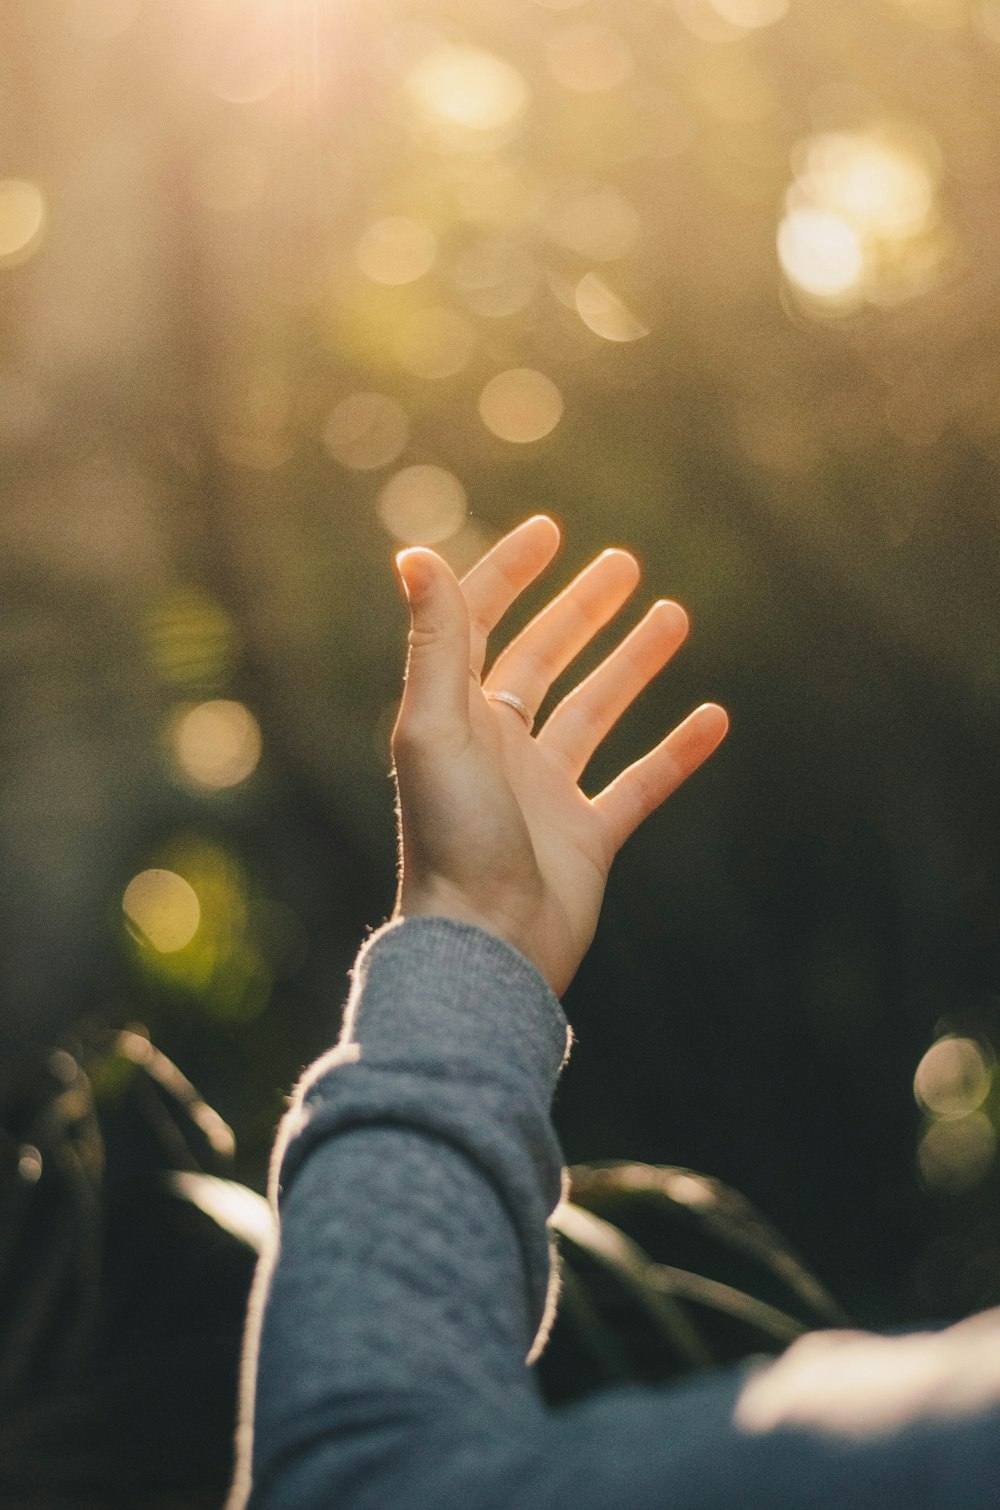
416 1176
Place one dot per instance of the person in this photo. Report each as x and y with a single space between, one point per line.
395 1318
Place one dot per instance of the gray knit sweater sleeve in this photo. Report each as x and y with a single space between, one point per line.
389 1331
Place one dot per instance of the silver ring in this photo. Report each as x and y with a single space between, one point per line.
511 700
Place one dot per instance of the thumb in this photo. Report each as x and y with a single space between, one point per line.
437 669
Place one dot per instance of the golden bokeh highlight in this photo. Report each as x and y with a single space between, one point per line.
366 431
434 343
953 1078
467 89
396 250
23 218
862 220
221 960
821 253
604 313
589 58
593 219
521 405
162 910
705 21
192 641
216 744
750 15
495 277
422 505
956 1154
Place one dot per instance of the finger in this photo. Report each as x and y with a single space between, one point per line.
576 727
436 689
501 576
640 789
543 649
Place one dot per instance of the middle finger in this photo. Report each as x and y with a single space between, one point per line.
554 637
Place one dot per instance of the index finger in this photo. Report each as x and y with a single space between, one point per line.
496 581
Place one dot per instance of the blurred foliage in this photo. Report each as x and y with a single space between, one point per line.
287 282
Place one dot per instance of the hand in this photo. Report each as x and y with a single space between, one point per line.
494 828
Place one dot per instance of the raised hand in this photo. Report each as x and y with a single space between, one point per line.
494 827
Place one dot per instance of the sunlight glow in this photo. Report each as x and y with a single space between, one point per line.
162 910
821 252
468 88
422 505
861 217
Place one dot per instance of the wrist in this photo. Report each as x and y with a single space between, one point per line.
507 923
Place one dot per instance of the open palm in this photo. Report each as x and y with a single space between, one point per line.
495 829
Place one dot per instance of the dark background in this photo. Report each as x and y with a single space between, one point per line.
810 466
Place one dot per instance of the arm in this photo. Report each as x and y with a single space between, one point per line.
417 1165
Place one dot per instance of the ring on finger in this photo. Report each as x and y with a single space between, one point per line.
511 700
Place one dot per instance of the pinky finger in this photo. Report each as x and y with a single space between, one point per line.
641 787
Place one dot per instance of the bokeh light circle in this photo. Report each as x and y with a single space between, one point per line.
468 88
22 220
162 910
396 250
366 430
589 58
217 744
521 405
422 505
434 343
955 1154
953 1078
821 253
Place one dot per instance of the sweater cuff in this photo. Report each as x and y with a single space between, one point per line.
450 992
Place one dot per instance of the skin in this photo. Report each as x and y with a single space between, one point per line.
494 828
